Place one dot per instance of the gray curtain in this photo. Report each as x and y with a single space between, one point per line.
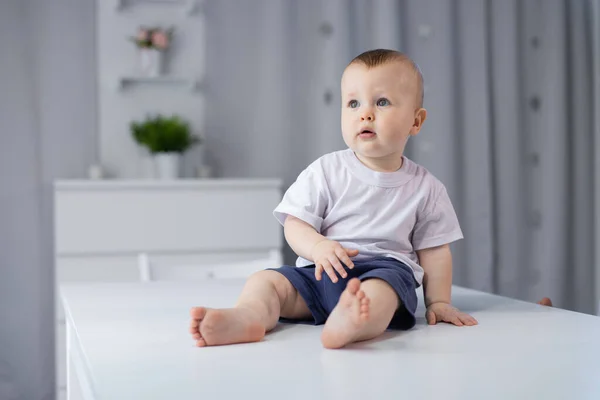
508 90
593 14
510 86
47 131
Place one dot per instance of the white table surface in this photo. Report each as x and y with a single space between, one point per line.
135 344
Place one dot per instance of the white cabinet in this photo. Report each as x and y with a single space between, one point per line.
102 226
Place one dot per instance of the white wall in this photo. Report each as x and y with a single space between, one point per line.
116 55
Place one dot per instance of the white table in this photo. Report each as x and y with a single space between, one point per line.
131 341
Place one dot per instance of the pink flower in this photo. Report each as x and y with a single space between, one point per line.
142 35
160 40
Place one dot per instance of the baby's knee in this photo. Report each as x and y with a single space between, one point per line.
279 281
264 275
267 276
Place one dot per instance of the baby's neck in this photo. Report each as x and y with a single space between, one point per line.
384 164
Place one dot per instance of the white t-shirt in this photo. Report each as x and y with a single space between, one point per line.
389 214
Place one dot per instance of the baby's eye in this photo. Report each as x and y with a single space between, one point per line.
383 102
353 104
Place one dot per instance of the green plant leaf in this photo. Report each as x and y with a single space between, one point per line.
161 134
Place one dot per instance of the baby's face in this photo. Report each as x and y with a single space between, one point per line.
379 106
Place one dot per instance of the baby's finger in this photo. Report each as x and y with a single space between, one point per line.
329 271
351 252
343 257
318 271
337 265
431 317
455 320
468 320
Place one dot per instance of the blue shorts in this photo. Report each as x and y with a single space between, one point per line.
322 296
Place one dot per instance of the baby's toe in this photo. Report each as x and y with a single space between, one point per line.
198 313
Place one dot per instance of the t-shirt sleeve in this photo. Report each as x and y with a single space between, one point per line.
305 199
438 224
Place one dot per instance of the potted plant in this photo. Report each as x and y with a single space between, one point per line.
152 44
166 138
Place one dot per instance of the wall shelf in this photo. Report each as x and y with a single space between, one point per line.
189 7
189 83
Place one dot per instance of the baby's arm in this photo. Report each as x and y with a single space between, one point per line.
301 237
437 286
437 282
311 245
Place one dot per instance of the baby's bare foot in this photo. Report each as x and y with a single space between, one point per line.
545 302
348 317
213 327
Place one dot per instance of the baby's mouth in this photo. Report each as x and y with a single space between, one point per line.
366 133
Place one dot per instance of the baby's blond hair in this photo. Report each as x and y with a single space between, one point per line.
374 58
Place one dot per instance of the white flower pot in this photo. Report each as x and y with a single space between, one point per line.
150 62
167 165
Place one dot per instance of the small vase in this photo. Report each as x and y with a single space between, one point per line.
167 165
150 62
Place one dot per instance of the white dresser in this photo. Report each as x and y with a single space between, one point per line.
102 226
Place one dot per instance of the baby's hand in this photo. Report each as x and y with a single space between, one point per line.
327 255
443 312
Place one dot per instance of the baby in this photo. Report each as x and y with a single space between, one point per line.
369 226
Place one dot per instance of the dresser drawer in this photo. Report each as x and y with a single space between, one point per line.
156 218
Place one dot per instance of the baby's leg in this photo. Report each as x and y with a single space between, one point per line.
363 312
266 296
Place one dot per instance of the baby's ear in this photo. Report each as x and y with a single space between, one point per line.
420 117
